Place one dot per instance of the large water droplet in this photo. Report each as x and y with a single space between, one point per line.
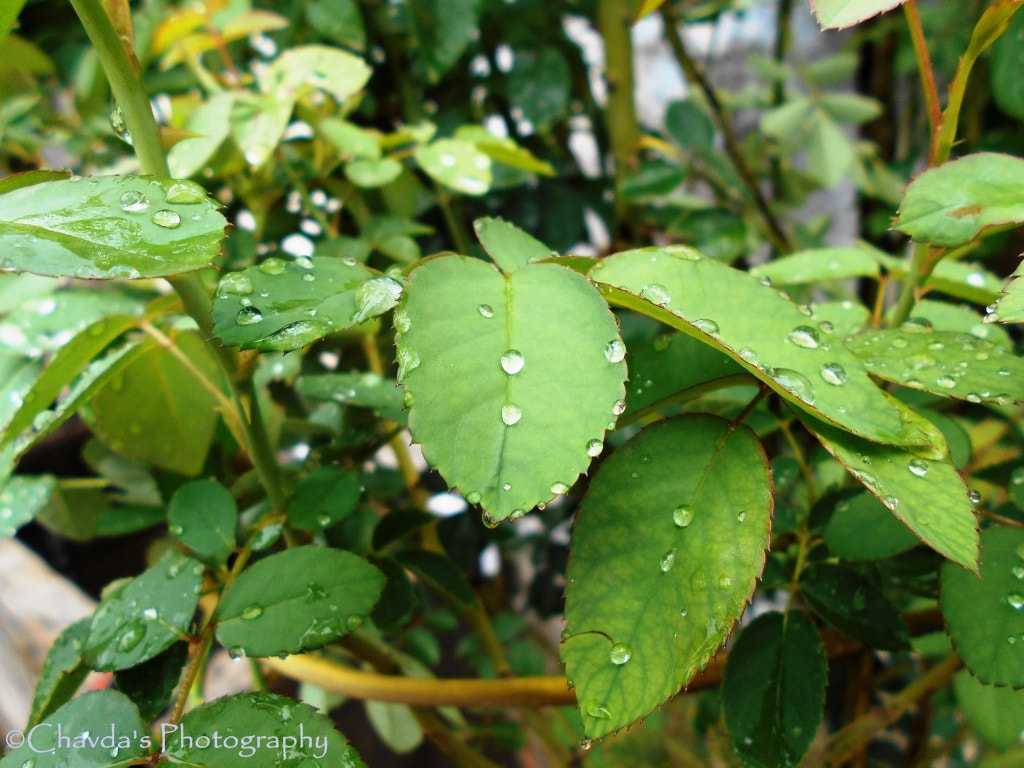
401 321
598 710
619 407
1016 600
615 351
272 266
167 219
473 497
235 283
133 202
511 414
833 373
682 515
668 560
254 611
917 325
585 744
407 361
656 294
749 355
946 382
710 327
620 653
185 193
918 467
796 383
512 362
485 310
376 296
130 638
248 316
974 496
805 336
594 447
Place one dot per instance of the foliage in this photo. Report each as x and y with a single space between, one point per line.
727 405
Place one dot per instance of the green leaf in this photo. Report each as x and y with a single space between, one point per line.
647 7
151 684
508 399
652 179
455 164
689 125
692 497
773 689
845 531
985 617
941 362
337 20
9 11
212 122
845 317
258 122
21 498
284 305
961 318
296 601
788 122
539 85
398 600
830 153
848 601
109 227
1010 307
817 265
293 734
504 150
308 67
927 495
952 204
155 410
202 515
324 497
1007 64
364 390
443 29
839 14
83 733
396 725
850 107
63 672
351 139
759 328
995 714
508 245
440 570
143 617
371 174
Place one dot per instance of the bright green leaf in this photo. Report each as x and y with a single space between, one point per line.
830 152
839 14
351 139
308 67
845 317
853 604
773 689
692 497
109 227
21 498
456 164
508 245
509 400
985 617
212 122
202 515
296 601
257 124
504 150
396 725
850 107
995 714
324 497
818 264
63 672
961 318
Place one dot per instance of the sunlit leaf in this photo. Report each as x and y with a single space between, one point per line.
838 14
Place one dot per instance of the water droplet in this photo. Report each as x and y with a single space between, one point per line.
741 517
891 502
1004 371
516 515
585 744
511 414
401 321
826 326
615 351
248 316
235 283
899 342
974 496
408 398
150 614
946 382
559 488
185 193
133 202
918 467
683 612
1018 571
506 486
167 219
272 266
236 652
917 325
352 623
796 383
130 638
936 345
619 407
473 497
656 294
805 336
512 362
682 515
485 310
620 653
749 355
308 277
407 361
1016 600
833 373
725 582
375 297
254 611
668 560
1011 639
598 710
594 447
709 327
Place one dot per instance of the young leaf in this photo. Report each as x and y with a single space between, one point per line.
818 264
927 495
371 174
144 616
985 617
202 515
508 399
839 14
296 601
21 498
952 204
63 672
95 730
759 328
284 305
456 164
293 734
323 498
996 714
109 227
692 496
848 601
773 689
508 245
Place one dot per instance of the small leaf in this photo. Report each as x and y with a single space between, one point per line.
202 515
508 245
985 617
396 725
293 734
830 153
351 139
109 227
773 689
210 126
647 7
689 125
952 204
818 264
324 497
697 531
79 734
504 150
151 684
21 498
441 570
848 601
455 164
285 305
1007 63
508 400
995 714
297 600
144 616
371 174
63 672
839 14
845 532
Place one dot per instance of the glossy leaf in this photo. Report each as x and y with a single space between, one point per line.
21 498
83 733
456 164
282 722
1010 307
305 300
109 227
995 713
952 204
63 672
851 603
927 495
324 497
818 264
509 246
839 14
202 515
755 325
296 601
845 534
846 317
158 397
961 318
508 400
696 529
364 390
949 364
141 618
985 617
773 689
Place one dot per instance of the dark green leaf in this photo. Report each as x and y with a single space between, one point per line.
151 684
995 714
394 525
398 600
689 125
442 29
654 178
365 390
109 227
539 86
696 531
324 497
63 672
21 498
144 616
854 605
862 528
202 515
773 689
296 601
441 571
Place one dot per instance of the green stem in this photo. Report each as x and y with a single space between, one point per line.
927 72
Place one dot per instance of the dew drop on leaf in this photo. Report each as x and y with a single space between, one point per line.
619 407
252 612
834 374
249 316
272 266
656 294
710 327
918 467
594 448
235 283
185 193
668 560
376 296
512 362
511 414
615 351
682 515
796 383
805 336
598 710
167 219
485 310
620 653
133 202
916 325
974 496
559 488
130 638
1016 600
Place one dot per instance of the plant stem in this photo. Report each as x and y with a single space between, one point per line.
696 77
917 276
456 227
927 72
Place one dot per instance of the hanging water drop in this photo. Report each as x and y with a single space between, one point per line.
185 193
619 407
375 297
710 327
917 325
594 447
974 496
558 488
656 294
615 351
